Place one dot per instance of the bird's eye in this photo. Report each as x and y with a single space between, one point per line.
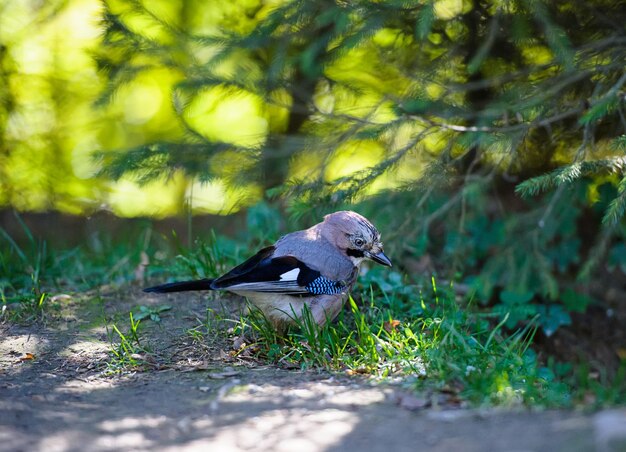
359 242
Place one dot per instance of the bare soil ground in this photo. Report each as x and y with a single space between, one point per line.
55 395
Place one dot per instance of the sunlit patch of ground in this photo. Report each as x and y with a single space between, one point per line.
196 394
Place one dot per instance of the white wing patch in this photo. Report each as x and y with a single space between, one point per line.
291 275
287 284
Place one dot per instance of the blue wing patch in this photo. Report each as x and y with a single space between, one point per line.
325 286
283 275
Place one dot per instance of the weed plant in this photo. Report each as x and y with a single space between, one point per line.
126 351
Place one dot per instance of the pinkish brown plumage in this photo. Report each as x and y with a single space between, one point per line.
315 267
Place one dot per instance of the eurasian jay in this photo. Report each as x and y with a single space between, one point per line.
315 267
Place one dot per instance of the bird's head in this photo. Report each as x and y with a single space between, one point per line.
354 235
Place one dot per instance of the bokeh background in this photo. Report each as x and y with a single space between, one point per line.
59 109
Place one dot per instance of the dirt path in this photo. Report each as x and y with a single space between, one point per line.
198 398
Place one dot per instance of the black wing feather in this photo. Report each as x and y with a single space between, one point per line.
245 268
264 273
262 268
181 286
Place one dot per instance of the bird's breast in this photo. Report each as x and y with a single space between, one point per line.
283 309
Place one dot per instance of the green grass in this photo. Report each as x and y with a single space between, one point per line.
445 349
394 329
32 273
127 353
448 348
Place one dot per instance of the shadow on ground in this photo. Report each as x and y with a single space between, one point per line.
61 401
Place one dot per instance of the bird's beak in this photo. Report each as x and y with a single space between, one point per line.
380 258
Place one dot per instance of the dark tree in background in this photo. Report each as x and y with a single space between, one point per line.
496 128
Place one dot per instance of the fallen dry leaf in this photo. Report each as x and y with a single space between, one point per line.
358 371
239 342
391 325
27 357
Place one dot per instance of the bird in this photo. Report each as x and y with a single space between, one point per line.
309 270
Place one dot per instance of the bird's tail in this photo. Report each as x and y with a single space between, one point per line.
181 286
